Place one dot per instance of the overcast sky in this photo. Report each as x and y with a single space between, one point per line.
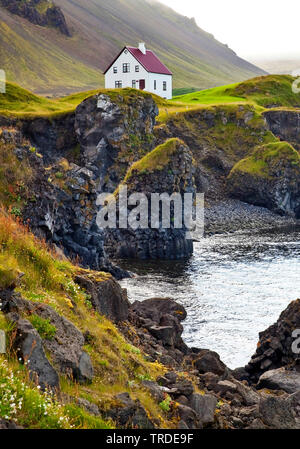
253 28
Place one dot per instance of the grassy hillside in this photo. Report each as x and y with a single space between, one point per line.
19 102
266 91
30 57
45 61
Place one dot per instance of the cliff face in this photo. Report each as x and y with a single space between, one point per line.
167 170
38 12
114 131
270 178
285 124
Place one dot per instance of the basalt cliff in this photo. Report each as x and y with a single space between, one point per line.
78 353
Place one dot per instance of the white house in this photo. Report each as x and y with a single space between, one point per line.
141 69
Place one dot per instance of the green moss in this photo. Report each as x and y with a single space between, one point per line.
156 159
267 157
44 327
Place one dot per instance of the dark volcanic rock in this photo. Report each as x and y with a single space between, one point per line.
107 297
9 425
29 349
167 170
270 177
113 133
129 413
209 362
275 347
157 315
285 125
280 379
277 413
65 347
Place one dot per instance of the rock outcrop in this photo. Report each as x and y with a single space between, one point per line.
115 130
29 9
285 124
65 346
106 295
169 170
61 205
270 177
275 349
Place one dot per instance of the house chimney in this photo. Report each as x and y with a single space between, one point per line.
142 47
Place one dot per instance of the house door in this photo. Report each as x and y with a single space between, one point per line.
142 84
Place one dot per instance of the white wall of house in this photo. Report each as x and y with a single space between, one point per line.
128 79
160 79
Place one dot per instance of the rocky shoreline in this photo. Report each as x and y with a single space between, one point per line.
230 215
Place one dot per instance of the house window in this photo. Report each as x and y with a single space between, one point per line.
134 84
137 68
165 85
115 69
155 85
118 84
126 68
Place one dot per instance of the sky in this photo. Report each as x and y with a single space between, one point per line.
254 29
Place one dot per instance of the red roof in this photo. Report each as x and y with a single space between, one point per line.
149 61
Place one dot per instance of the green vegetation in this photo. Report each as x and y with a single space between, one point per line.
48 62
267 157
118 366
266 91
14 179
211 96
21 401
44 327
156 159
21 103
45 64
165 405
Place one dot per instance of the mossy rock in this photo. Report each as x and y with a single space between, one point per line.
157 159
269 177
268 160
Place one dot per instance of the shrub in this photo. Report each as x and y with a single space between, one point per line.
44 327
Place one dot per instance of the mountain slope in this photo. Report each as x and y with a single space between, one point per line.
99 29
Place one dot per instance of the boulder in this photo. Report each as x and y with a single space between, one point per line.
129 414
280 379
205 407
209 362
66 345
107 297
29 348
154 389
276 413
162 318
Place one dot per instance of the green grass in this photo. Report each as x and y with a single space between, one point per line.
20 103
41 62
266 91
156 159
211 96
267 157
